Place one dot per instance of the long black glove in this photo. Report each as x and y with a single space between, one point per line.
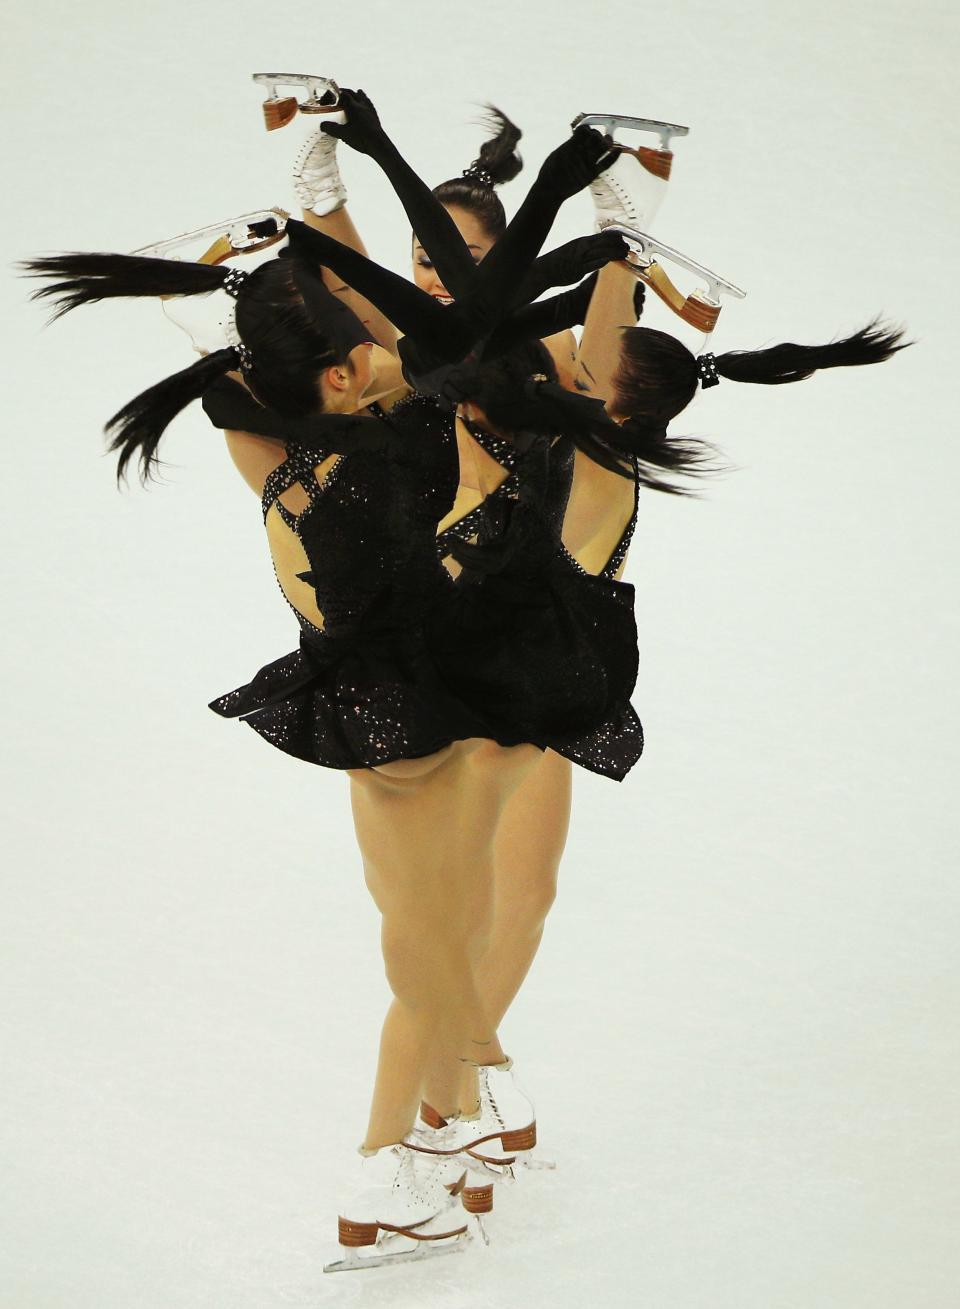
570 262
566 170
435 228
482 292
412 311
436 334
545 318
229 405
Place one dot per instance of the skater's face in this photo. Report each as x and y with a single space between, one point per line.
477 239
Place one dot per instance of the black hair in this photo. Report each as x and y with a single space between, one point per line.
495 384
657 376
497 162
284 352
519 394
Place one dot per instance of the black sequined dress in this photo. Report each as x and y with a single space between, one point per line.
364 689
546 651
408 660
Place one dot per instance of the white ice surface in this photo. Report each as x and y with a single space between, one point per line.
741 1032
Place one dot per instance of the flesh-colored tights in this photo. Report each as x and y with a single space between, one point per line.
426 830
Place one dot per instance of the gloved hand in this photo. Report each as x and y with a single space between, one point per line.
576 163
574 260
570 262
362 131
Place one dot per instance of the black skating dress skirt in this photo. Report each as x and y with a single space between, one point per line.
364 689
546 651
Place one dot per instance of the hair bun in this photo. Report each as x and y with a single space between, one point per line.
498 160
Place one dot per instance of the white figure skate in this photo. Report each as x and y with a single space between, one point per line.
316 177
508 1101
242 242
632 189
701 308
503 1126
466 1174
397 1198
322 97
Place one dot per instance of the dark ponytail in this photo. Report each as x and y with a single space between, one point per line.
792 363
136 429
656 452
657 375
282 348
84 279
497 162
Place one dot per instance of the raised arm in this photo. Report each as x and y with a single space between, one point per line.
230 406
484 292
612 307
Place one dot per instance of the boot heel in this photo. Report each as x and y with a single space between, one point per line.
477 1199
430 1116
658 162
277 113
524 1139
356 1234
700 314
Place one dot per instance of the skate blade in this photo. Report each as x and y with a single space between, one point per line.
610 123
701 308
422 1250
481 1230
538 1165
241 235
645 248
323 96
499 1170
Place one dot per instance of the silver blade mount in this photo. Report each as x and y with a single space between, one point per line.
323 92
609 123
244 232
646 248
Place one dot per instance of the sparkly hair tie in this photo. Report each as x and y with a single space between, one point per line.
244 357
707 370
233 281
478 174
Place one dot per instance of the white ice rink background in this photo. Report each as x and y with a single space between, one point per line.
741 1030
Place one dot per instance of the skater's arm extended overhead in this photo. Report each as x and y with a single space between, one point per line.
433 225
484 292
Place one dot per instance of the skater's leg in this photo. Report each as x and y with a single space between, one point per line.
427 846
528 846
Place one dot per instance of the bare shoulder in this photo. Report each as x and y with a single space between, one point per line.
254 457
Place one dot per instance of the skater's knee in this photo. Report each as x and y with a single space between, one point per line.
530 902
421 968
